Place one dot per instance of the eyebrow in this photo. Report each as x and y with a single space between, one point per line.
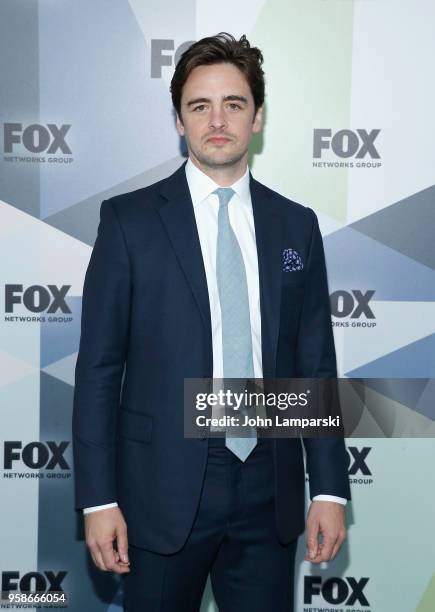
232 98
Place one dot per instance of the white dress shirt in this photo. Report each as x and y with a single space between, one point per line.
206 207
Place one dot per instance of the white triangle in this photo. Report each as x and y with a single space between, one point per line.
63 369
244 15
13 369
328 224
39 254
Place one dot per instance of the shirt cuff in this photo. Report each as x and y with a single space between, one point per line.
102 507
333 498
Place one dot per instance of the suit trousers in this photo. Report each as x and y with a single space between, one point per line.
233 538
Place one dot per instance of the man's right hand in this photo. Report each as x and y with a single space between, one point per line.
102 529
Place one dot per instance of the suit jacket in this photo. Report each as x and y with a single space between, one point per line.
146 326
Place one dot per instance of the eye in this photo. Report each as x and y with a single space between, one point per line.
234 106
199 108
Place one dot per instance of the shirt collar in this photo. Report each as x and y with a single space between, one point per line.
201 185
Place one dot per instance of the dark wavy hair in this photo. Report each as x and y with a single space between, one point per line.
222 48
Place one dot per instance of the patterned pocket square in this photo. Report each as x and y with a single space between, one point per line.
291 260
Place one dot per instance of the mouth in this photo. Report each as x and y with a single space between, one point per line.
218 140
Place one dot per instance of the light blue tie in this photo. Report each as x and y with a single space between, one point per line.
234 302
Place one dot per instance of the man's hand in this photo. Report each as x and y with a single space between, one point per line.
102 528
325 518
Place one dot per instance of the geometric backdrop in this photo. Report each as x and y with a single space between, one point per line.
85 113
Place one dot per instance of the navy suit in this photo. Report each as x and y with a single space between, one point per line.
145 305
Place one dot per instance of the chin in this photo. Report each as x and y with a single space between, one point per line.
221 160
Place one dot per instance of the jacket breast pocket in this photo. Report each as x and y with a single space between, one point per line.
135 425
292 295
293 282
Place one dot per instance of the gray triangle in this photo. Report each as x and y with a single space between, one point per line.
406 226
81 220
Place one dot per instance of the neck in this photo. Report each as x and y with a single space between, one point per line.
223 175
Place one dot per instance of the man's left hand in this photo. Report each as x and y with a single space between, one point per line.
325 519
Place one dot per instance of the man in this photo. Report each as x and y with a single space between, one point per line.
187 280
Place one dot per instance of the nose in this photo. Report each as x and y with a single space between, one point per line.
217 118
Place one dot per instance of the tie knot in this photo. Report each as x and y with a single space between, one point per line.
224 194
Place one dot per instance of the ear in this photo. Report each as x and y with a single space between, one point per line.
258 121
179 124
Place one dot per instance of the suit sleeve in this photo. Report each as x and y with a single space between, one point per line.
100 363
326 458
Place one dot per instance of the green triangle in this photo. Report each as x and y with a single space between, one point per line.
427 602
307 50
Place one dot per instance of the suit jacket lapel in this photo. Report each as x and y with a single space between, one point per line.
178 217
269 252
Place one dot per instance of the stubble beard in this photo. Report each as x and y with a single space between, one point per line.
231 159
